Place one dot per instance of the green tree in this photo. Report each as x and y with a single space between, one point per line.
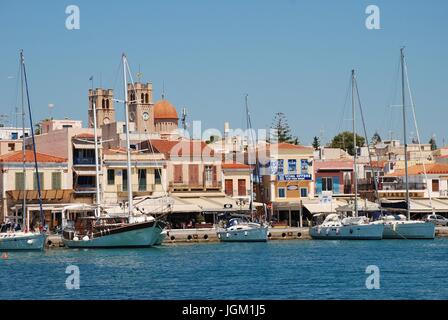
344 140
376 138
316 143
433 143
282 131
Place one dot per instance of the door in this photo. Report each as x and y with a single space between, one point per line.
241 187
229 187
193 174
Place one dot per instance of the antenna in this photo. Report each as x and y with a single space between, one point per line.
184 117
163 90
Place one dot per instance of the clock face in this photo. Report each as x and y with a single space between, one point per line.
106 120
145 116
132 116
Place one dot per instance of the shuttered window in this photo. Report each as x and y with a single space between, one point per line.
56 181
193 174
20 181
41 180
178 173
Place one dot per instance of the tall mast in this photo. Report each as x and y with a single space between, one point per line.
251 182
128 145
39 193
404 133
355 155
25 217
97 169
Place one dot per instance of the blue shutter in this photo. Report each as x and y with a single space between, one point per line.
336 185
318 185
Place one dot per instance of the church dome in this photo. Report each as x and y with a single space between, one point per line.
163 109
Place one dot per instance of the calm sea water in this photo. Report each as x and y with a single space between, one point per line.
273 270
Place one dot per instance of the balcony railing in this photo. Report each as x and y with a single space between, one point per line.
198 186
136 188
84 188
84 161
401 186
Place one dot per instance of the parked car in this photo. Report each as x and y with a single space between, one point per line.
438 220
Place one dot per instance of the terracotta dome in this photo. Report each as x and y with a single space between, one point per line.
163 109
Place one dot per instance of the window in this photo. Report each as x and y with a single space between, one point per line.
41 180
11 146
56 181
64 126
178 173
141 179
229 187
435 185
14 135
303 166
20 181
124 176
292 166
110 176
327 184
209 173
281 192
280 166
241 187
157 176
303 192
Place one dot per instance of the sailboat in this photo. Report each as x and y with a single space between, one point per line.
241 229
350 228
14 238
130 228
400 226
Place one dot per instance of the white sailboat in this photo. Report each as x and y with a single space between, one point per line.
124 229
399 226
351 228
239 229
13 238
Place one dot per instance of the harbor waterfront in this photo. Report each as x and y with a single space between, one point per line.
273 270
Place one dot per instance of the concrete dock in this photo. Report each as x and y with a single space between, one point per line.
204 235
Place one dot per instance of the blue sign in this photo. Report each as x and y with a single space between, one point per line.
293 177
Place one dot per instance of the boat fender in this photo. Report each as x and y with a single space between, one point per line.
5 255
75 239
394 227
327 231
30 241
337 231
245 233
351 231
85 238
227 234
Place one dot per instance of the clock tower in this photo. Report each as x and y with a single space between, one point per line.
104 104
141 106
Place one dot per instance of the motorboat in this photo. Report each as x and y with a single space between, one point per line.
238 230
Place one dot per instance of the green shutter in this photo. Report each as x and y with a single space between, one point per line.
20 181
56 181
41 181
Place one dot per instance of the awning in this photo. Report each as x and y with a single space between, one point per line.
84 145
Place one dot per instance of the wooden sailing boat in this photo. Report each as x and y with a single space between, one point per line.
117 230
238 229
25 239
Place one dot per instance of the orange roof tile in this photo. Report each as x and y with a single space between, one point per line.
436 168
180 147
235 166
17 156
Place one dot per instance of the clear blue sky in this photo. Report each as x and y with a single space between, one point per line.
289 56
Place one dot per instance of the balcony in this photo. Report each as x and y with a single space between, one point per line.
205 186
137 189
401 186
84 189
84 161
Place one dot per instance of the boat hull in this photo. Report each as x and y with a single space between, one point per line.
244 235
409 231
22 241
353 232
161 238
136 235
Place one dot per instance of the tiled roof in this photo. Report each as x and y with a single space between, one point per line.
334 165
179 148
436 168
86 136
288 146
17 156
235 166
